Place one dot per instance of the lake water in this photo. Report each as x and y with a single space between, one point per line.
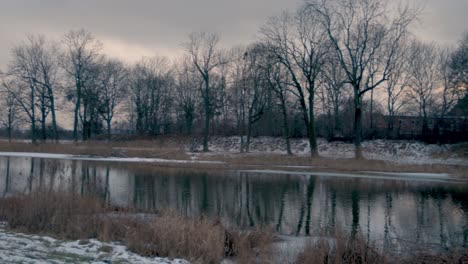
391 212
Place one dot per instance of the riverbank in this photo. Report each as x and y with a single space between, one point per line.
112 232
265 153
54 227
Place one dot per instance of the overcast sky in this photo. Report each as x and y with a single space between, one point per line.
132 29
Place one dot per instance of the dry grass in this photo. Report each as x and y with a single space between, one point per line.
455 257
61 214
138 148
329 164
166 147
357 251
250 247
168 234
172 235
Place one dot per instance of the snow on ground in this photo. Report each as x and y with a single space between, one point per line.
401 151
22 248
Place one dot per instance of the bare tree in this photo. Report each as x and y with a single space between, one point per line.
114 79
10 116
81 53
187 87
458 67
150 84
34 66
250 80
425 79
365 34
333 93
203 51
300 44
449 94
396 88
278 80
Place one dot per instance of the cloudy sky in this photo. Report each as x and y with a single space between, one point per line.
132 29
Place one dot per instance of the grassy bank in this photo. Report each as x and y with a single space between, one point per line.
175 148
166 234
169 234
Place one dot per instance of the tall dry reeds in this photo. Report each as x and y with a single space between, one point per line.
167 234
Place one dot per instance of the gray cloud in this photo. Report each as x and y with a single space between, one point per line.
130 29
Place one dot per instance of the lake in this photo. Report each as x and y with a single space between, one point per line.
391 212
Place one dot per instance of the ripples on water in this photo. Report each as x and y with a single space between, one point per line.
392 213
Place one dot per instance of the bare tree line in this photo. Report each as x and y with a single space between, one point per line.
328 60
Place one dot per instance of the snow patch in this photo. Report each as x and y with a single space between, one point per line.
398 151
22 248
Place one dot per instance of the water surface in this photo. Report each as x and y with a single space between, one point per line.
390 212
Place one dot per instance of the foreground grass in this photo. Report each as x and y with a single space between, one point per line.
69 216
169 234
358 251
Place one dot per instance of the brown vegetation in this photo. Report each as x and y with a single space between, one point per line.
355 251
167 234
168 149
173 148
358 251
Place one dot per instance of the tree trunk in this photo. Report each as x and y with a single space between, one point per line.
207 116
286 126
43 123
336 111
77 109
109 134
312 132
33 118
189 121
372 112
9 134
425 126
54 117
10 123
357 125
86 125
250 122
249 132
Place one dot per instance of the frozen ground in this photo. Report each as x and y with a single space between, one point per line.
401 151
22 248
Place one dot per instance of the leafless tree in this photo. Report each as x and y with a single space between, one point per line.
203 51
79 59
150 87
113 81
300 44
396 87
10 117
250 79
187 87
333 93
458 67
278 81
425 79
365 34
34 70
449 94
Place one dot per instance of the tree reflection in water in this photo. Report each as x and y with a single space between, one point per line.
389 211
